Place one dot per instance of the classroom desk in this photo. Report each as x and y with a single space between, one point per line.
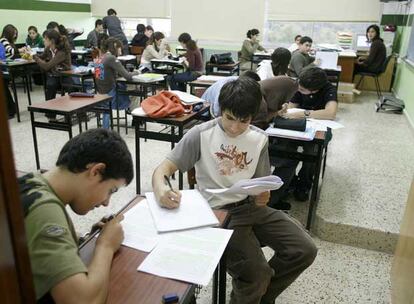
173 137
19 69
347 62
81 57
127 285
166 66
319 158
259 57
200 84
141 90
73 73
66 106
228 69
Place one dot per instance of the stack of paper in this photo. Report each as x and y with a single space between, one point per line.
308 135
252 186
127 57
193 212
344 39
187 99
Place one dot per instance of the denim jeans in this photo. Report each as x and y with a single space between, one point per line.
178 81
123 103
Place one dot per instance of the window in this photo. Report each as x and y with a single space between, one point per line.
161 25
282 33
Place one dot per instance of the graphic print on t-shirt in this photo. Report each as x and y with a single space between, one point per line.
230 160
99 69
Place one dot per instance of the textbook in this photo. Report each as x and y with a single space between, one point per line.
193 212
252 186
187 99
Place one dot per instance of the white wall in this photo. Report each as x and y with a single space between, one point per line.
325 10
219 20
132 8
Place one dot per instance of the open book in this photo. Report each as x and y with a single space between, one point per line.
252 186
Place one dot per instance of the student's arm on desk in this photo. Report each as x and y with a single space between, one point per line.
92 287
165 197
328 113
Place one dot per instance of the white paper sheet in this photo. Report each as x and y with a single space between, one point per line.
126 57
189 256
139 228
328 60
210 78
193 212
252 186
139 112
295 110
187 98
327 123
150 77
308 135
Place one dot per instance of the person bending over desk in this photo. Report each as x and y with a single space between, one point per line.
278 65
224 151
317 96
34 39
107 69
301 57
377 53
193 63
90 168
250 46
156 49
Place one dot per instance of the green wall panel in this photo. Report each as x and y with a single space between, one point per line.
34 5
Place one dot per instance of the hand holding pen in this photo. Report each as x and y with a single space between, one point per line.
171 198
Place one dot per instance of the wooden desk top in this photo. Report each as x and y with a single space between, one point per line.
182 120
126 284
66 104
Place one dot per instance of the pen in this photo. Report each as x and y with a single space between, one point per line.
167 181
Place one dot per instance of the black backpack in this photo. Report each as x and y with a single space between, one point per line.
224 58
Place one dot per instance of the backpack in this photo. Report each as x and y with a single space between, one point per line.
224 58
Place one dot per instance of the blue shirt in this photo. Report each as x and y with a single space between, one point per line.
213 92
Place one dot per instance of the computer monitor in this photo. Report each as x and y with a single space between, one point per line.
362 43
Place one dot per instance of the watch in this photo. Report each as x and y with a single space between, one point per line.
307 113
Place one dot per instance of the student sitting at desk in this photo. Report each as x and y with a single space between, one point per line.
90 168
140 39
55 58
377 53
250 46
278 65
34 39
193 63
156 49
92 39
224 151
8 38
301 57
317 96
294 46
107 69
112 24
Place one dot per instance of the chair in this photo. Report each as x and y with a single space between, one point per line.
137 51
375 76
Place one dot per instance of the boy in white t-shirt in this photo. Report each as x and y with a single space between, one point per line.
224 151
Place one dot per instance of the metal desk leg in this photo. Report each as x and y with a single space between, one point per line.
117 113
68 120
180 175
28 88
137 158
315 185
222 280
35 141
16 100
215 285
83 84
79 122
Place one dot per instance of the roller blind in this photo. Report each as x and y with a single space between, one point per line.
227 20
132 8
324 10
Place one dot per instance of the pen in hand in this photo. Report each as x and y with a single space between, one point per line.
173 200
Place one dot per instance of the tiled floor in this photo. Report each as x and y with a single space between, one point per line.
369 170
